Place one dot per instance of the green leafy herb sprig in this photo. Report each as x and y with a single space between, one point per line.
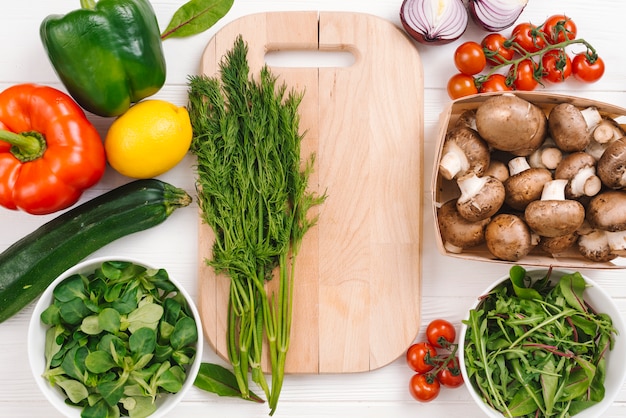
252 191
536 348
118 339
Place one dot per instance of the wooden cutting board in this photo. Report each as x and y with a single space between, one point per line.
357 292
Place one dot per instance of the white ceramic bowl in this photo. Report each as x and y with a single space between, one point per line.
616 358
37 334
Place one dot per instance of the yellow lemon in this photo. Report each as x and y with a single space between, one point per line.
149 139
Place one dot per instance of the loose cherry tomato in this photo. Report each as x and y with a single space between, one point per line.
495 50
528 37
557 65
525 77
469 58
495 82
420 357
558 28
585 70
440 333
450 376
424 388
461 85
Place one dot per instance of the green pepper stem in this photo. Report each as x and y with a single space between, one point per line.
88 4
27 146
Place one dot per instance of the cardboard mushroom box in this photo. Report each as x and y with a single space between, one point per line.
532 177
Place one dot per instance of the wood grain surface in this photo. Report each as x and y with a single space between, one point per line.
357 293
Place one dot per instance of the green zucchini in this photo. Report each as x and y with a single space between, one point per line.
29 265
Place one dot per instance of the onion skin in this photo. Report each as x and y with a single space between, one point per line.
434 22
496 15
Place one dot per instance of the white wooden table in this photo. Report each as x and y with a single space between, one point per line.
448 285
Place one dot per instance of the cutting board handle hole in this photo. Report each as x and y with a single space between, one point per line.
309 59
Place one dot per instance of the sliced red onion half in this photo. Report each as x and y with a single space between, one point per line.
434 21
496 15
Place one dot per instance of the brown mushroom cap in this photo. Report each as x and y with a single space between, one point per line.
510 123
607 211
568 127
611 166
456 232
553 215
554 218
557 245
526 186
508 237
481 197
463 151
497 169
579 169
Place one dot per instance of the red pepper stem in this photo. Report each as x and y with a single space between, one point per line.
27 146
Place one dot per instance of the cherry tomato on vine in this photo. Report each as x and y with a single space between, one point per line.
586 71
497 52
525 76
420 357
469 58
439 331
461 85
527 36
558 28
450 376
424 388
557 65
495 82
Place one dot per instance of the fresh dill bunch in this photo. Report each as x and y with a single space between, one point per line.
252 188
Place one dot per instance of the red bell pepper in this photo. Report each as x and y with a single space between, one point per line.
49 151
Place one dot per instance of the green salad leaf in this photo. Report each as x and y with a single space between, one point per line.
534 347
117 339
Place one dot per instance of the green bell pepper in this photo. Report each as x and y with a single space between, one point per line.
108 54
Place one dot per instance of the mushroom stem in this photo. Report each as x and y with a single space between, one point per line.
594 246
591 116
470 185
546 157
606 131
453 162
554 190
585 182
517 165
617 242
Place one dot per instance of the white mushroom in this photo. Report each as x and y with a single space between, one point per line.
457 233
463 151
481 197
579 169
611 166
525 183
553 215
572 128
509 238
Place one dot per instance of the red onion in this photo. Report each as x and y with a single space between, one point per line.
496 15
434 21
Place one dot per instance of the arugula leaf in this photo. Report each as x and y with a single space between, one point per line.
529 355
